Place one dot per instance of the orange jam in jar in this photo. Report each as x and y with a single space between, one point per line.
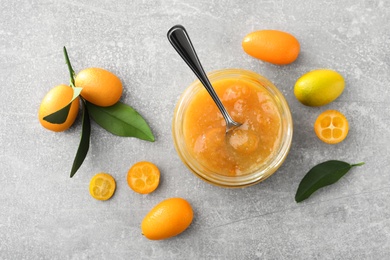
246 155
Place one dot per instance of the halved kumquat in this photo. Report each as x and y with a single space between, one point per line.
331 127
143 177
102 186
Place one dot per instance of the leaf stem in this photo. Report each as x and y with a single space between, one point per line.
71 71
357 164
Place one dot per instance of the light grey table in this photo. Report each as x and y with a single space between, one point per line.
46 215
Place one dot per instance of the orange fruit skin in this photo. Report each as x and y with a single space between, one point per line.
319 87
55 99
273 46
100 87
167 219
331 127
143 177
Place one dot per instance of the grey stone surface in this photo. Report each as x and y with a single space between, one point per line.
46 215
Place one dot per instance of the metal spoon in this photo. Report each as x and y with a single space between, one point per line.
180 40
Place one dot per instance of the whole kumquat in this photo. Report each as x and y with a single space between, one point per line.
100 87
167 219
55 99
319 87
273 46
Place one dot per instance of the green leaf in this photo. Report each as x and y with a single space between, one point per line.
322 175
84 142
60 116
121 119
70 69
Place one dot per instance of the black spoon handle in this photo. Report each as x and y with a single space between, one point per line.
180 40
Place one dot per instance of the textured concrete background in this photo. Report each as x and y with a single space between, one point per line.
46 215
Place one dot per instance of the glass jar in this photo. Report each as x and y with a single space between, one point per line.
264 169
